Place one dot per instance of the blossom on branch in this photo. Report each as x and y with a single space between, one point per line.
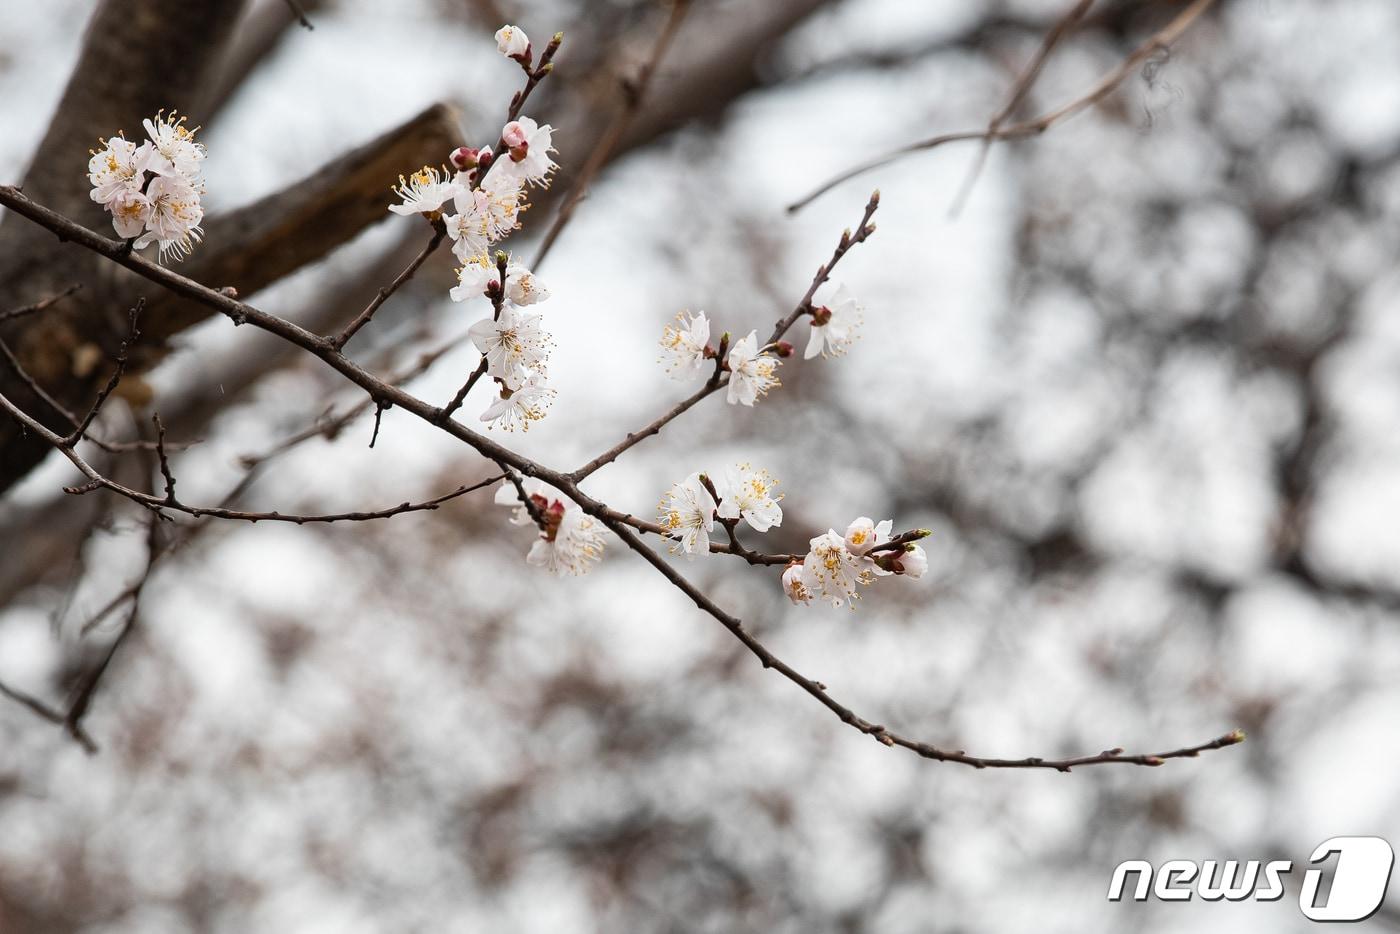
174 151
793 586
835 326
751 372
518 408
153 190
173 216
512 42
117 168
684 344
530 145
687 514
747 493
514 344
832 572
863 534
424 192
572 546
570 542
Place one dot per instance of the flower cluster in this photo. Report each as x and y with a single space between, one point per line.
753 370
152 190
570 542
479 202
837 566
690 508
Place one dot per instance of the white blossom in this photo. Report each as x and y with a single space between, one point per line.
522 287
530 145
751 372
683 345
467 231
793 586
913 562
494 208
131 211
173 147
119 166
835 326
688 516
572 546
512 41
514 344
472 279
518 408
175 213
749 494
832 572
424 192
863 534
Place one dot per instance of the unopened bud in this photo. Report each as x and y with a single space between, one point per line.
783 349
513 134
465 157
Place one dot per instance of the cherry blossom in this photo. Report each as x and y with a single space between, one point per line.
832 572
912 562
119 166
751 372
512 42
530 145
173 147
570 546
424 192
175 213
863 534
793 586
688 516
834 326
514 344
683 345
519 408
131 211
748 493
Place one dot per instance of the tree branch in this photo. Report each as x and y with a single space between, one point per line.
1162 39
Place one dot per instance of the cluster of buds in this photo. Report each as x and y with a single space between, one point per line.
153 190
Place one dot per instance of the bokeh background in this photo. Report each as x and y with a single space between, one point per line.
1144 388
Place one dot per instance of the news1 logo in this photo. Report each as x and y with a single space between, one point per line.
1359 880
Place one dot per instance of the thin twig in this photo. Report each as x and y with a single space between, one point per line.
299 14
803 307
382 296
1063 27
1159 40
634 91
38 306
133 334
50 714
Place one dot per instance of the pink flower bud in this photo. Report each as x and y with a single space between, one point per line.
514 134
465 157
783 349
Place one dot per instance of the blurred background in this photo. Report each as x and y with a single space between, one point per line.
1143 388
